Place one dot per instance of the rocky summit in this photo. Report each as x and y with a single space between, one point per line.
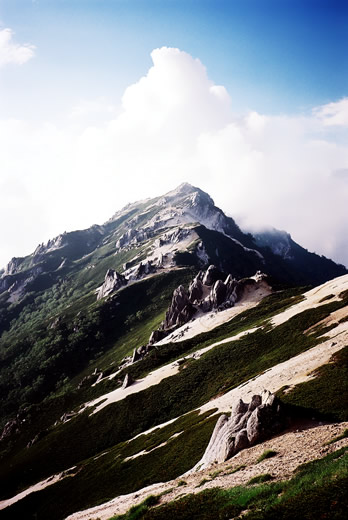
134 358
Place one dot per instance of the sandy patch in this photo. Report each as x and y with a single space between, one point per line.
155 377
37 487
333 319
291 372
209 321
313 298
146 452
293 448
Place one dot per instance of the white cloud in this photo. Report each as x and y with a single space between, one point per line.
12 52
86 108
175 125
333 114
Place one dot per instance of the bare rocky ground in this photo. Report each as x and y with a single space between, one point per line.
300 444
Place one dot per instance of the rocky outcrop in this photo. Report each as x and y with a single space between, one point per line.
128 381
18 284
5 283
180 311
211 275
196 289
158 335
15 425
133 237
249 424
207 292
143 269
218 294
90 379
13 266
12 427
112 282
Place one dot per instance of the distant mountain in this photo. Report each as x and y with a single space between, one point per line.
183 227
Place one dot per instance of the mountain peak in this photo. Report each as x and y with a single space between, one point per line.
185 187
186 192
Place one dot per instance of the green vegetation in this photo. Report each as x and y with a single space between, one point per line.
234 470
259 479
215 474
111 472
267 454
203 481
325 396
221 368
254 317
137 512
40 363
318 490
343 435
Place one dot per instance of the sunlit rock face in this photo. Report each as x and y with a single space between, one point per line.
112 282
207 292
249 424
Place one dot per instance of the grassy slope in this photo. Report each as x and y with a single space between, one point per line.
62 294
327 394
99 480
103 337
220 368
318 490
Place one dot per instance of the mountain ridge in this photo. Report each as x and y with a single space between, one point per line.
96 408
191 205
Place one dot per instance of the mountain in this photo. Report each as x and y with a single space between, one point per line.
183 227
131 351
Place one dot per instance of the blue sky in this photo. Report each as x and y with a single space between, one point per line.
274 55
141 95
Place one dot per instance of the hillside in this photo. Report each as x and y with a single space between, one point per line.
122 345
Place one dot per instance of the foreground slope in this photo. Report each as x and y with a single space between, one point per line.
289 336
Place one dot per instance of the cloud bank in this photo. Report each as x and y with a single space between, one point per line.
175 125
12 52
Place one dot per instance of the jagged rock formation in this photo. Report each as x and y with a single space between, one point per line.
128 381
112 282
13 266
140 270
90 379
249 424
133 237
180 311
16 283
206 292
211 275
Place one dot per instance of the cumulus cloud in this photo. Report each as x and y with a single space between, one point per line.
176 125
12 52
